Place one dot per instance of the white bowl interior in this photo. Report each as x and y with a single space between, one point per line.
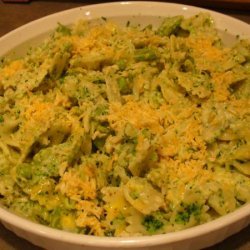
143 13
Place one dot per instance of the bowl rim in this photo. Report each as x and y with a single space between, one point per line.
127 241
136 241
18 39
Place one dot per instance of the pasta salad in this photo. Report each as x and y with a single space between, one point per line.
126 131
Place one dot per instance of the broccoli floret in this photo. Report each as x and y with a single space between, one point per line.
152 224
184 216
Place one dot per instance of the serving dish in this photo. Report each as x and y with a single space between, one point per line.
197 237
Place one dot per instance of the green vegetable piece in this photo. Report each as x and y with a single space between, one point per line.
154 156
101 110
29 209
121 64
99 143
109 232
145 54
63 29
48 161
169 25
123 85
55 218
184 216
48 168
24 171
1 119
103 129
152 224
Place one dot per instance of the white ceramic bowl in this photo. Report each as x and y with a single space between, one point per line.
138 12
